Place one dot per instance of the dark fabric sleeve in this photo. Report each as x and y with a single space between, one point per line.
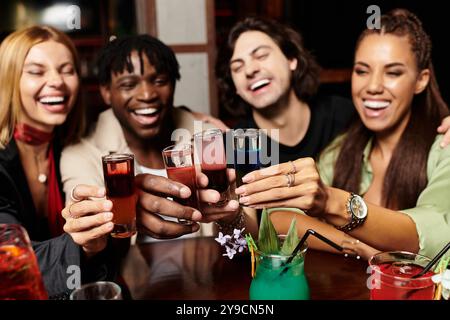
57 258
60 259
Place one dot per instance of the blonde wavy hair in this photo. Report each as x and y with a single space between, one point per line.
13 51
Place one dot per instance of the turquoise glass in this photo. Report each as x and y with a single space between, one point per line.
270 283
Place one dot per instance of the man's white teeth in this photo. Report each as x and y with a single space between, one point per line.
376 104
259 83
146 112
52 100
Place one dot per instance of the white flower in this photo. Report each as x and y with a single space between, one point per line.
240 245
230 252
238 233
233 244
222 239
444 279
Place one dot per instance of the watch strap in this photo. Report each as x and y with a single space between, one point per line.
354 221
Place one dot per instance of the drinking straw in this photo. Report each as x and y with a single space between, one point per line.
432 262
302 241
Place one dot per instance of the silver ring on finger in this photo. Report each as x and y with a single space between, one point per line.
289 179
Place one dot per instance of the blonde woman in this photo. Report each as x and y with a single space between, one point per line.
40 113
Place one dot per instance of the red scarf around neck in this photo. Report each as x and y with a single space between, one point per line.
33 136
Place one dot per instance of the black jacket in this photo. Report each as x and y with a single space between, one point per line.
55 255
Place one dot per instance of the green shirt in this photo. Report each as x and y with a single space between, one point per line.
432 211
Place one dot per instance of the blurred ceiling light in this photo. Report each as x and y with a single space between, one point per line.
56 15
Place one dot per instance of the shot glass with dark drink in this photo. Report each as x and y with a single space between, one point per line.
118 172
180 167
246 145
211 156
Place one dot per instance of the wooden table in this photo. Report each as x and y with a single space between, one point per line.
186 269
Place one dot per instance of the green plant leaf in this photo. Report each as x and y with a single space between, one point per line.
267 240
291 240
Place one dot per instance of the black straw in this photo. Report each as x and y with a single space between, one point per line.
302 241
432 262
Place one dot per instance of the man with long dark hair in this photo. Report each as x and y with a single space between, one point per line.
269 77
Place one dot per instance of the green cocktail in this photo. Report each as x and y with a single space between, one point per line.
276 280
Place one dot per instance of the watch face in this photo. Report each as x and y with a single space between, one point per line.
358 207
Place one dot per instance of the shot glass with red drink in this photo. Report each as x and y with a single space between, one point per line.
392 273
118 172
211 156
20 278
180 167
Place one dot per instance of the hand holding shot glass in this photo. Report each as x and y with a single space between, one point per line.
211 156
179 163
118 172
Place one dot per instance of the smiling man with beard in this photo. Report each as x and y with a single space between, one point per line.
137 77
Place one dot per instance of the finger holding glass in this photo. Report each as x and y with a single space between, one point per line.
152 203
88 219
292 184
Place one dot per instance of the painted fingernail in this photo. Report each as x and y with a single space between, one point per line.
108 216
244 200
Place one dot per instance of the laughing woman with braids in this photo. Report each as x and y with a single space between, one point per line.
386 181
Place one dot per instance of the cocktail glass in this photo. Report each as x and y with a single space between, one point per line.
20 278
273 281
100 290
391 277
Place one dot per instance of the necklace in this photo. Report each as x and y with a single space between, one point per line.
42 177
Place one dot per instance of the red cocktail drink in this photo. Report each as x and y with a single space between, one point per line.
118 172
20 278
392 274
